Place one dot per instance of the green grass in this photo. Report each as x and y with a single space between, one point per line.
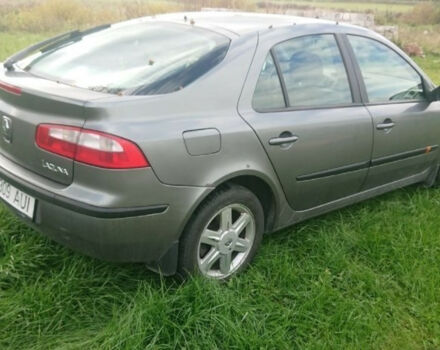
365 277
431 65
10 43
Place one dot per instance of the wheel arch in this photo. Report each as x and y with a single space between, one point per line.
264 194
257 183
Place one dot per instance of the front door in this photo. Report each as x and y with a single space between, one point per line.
317 137
406 125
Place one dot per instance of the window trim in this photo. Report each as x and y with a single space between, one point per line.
280 77
280 80
362 86
350 73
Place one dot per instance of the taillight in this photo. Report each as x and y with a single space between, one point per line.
10 88
58 139
90 147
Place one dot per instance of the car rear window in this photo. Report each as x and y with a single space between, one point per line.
139 58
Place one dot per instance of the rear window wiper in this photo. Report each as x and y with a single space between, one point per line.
50 44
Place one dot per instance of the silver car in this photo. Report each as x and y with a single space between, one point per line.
179 140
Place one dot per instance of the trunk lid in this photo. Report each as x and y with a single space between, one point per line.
40 101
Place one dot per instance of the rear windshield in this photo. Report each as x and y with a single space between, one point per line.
139 59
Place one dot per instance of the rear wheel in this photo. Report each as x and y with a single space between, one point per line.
223 235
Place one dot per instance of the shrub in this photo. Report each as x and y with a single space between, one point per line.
49 15
425 37
59 15
423 13
195 5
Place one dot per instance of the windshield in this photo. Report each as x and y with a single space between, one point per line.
138 58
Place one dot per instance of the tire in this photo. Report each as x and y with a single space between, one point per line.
223 235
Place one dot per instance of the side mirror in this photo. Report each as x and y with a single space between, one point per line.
434 95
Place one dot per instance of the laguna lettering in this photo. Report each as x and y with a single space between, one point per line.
54 168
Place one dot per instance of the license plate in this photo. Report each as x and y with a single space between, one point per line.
19 200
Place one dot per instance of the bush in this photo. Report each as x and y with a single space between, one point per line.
196 5
59 15
423 13
48 16
426 37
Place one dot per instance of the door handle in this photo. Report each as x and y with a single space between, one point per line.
282 140
387 124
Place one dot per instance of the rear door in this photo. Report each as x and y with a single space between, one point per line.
305 107
406 125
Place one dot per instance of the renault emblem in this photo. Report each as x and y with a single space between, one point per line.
7 129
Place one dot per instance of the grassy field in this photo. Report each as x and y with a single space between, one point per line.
355 6
366 277
431 65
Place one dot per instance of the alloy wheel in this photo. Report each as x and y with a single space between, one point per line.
226 241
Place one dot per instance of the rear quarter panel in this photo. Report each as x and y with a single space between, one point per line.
157 124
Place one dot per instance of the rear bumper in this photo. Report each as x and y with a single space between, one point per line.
148 233
79 207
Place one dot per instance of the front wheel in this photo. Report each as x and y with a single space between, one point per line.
224 234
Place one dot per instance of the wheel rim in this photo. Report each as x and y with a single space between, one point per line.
226 241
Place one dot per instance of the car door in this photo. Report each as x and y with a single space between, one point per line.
406 125
309 119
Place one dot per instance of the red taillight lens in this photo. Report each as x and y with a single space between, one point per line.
58 139
10 88
90 147
108 151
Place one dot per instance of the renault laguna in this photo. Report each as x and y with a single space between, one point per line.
179 140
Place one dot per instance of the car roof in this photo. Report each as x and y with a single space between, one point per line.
239 23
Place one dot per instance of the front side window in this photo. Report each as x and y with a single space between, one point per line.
387 76
313 71
138 58
268 93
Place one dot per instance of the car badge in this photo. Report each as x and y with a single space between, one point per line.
7 129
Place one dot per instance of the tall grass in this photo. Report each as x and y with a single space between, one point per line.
426 37
424 13
57 15
246 5
366 277
419 23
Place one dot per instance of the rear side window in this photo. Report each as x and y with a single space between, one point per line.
387 76
313 71
268 93
139 58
